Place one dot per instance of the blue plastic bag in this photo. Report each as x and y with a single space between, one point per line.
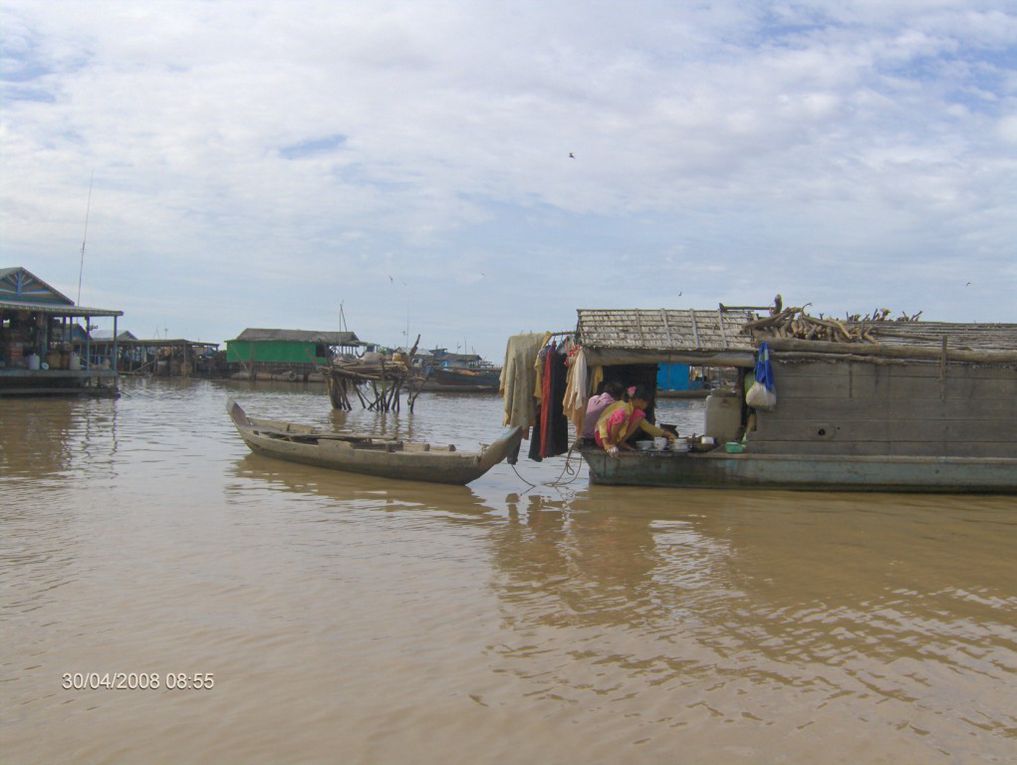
762 395
764 370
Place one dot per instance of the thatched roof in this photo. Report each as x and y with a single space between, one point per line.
720 337
644 336
930 334
254 335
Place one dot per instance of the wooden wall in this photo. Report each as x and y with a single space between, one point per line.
915 408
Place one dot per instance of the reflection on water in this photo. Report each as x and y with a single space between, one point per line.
356 619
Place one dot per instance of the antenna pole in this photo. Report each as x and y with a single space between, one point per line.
88 209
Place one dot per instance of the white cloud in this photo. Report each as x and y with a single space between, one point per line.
1007 129
731 133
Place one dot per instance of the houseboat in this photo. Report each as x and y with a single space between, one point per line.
864 404
293 355
43 348
447 372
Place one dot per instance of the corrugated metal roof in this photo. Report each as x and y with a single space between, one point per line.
665 330
56 309
254 335
107 335
161 343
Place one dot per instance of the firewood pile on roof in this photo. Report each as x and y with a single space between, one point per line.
880 329
794 322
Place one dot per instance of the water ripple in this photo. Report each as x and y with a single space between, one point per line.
353 617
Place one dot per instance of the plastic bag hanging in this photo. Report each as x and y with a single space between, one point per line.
764 369
762 394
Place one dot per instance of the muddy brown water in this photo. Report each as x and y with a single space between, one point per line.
356 620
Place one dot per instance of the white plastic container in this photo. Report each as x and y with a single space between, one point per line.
74 364
723 416
32 360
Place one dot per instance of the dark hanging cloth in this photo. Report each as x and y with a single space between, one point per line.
550 435
556 439
535 440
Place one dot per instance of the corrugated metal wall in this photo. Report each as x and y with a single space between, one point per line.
271 351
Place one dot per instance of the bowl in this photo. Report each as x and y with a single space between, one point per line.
659 443
644 446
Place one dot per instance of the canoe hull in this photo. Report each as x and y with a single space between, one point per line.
716 470
300 444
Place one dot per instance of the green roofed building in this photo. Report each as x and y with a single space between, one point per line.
287 352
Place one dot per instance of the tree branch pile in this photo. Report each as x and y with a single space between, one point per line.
794 322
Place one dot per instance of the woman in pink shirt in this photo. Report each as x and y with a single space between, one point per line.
621 420
595 407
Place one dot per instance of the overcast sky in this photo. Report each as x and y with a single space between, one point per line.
259 164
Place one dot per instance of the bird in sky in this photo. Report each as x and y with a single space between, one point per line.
571 155
968 284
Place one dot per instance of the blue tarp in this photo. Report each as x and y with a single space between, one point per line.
764 370
676 377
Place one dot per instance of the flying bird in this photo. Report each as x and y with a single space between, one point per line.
968 284
571 155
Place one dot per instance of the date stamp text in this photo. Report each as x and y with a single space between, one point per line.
137 681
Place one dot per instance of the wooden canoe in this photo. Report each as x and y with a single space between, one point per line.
372 455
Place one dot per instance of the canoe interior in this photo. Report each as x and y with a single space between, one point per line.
372 455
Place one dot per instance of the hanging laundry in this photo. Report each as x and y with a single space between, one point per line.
519 377
550 436
577 388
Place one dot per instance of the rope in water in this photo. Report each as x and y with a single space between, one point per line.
568 469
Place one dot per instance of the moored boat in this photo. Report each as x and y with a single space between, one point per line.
372 455
864 404
828 472
462 380
446 372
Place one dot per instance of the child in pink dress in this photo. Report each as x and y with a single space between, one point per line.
619 421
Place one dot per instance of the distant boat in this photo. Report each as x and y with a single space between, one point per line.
388 458
463 379
458 372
